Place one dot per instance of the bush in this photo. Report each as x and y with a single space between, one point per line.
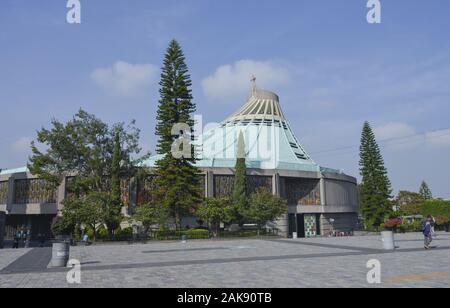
176 235
102 232
197 234
90 232
126 232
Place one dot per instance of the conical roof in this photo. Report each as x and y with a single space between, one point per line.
260 105
268 138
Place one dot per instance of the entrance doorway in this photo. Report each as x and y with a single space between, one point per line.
306 225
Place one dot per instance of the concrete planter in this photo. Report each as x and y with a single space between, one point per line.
2 228
60 254
387 237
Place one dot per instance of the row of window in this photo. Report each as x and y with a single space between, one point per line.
34 191
296 191
4 192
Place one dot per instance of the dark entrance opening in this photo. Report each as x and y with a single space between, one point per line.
301 225
38 225
292 223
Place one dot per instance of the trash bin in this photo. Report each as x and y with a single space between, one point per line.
184 238
387 237
60 254
294 235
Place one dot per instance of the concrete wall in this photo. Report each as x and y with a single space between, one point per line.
341 194
12 208
338 194
2 227
343 222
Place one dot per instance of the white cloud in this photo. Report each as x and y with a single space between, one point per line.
233 80
124 78
22 145
409 138
394 130
438 138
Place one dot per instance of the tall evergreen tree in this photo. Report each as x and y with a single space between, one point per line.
425 191
375 188
177 179
240 183
114 217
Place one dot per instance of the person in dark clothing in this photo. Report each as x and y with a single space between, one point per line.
41 239
428 232
17 238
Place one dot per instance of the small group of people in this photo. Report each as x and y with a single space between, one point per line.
428 231
21 236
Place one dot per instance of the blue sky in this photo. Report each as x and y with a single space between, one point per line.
330 67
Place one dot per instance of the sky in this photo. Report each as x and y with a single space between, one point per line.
331 68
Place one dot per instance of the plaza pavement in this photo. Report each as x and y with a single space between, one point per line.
247 263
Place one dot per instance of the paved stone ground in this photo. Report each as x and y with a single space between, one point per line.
321 262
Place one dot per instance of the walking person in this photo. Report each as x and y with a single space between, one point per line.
41 239
17 237
433 224
85 239
23 234
427 233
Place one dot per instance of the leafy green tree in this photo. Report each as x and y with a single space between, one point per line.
264 207
89 210
86 150
408 203
425 191
239 197
177 179
375 189
151 214
406 198
214 211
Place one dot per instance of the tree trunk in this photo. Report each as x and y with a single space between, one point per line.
177 221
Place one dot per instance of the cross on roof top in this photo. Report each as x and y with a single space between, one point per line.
253 80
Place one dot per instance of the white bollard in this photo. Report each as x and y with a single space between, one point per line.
387 237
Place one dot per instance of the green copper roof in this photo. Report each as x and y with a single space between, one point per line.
269 140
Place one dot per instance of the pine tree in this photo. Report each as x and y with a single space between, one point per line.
177 179
240 186
375 189
114 216
425 191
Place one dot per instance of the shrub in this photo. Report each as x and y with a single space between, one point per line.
90 232
197 234
126 232
392 223
102 232
176 235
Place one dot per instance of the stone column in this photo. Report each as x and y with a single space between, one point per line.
11 194
323 195
61 196
209 184
2 228
276 184
282 223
